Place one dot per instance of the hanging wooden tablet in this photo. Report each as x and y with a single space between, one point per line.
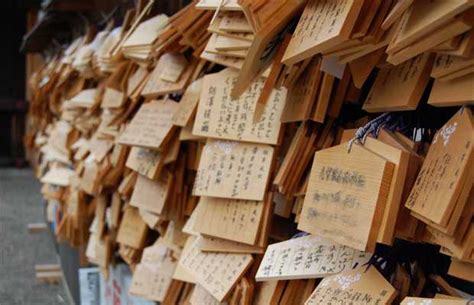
457 26
237 220
116 87
424 17
461 270
220 116
218 273
174 68
444 169
447 64
397 218
400 87
271 81
188 103
174 238
363 66
136 81
399 159
456 92
144 161
227 61
461 214
99 148
151 126
112 98
157 84
180 273
302 94
307 257
89 180
58 176
270 33
231 5
186 133
450 44
212 44
133 230
84 99
465 48
212 244
150 194
323 24
235 22
361 285
365 19
225 43
462 249
322 102
346 196
269 292
233 170
115 211
152 276
300 152
396 12
384 41
200 296
215 27
458 74
423 301
152 220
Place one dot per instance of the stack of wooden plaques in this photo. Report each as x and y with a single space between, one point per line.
104 58
236 152
139 44
230 40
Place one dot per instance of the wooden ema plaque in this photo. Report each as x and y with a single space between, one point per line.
235 22
307 257
362 286
153 275
444 170
200 296
169 67
454 92
237 220
216 272
132 231
346 196
58 176
439 301
400 87
146 162
233 170
323 24
423 17
151 126
220 116
218 245
400 160
150 195
265 43
188 103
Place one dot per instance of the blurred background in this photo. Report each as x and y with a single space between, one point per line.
31 29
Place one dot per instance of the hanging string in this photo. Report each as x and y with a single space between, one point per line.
219 7
373 127
299 234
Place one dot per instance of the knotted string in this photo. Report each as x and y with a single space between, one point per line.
373 127
299 234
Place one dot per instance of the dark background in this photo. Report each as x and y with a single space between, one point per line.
12 81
